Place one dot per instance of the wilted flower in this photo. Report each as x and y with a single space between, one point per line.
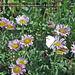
21 61
59 42
17 69
43 55
51 24
49 41
27 40
3 22
10 25
73 47
14 45
62 30
22 20
62 50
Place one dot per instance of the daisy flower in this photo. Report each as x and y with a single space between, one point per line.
17 69
73 47
22 20
10 25
27 40
21 61
3 22
59 42
14 45
62 50
62 30
49 41
51 24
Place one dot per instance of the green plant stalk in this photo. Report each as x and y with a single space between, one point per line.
9 1
35 7
55 57
26 48
54 61
4 6
22 29
44 16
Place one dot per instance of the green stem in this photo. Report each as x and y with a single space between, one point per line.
26 48
44 16
55 57
23 30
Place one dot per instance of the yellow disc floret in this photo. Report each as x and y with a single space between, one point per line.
57 44
21 61
22 21
27 40
16 69
14 45
9 26
62 30
2 23
59 51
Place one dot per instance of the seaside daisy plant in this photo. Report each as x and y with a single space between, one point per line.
63 30
73 48
22 20
14 45
17 69
21 61
27 40
10 25
3 22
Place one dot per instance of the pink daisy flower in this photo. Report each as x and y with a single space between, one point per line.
27 40
21 61
63 50
3 22
17 69
14 45
22 20
62 30
58 43
10 25
73 47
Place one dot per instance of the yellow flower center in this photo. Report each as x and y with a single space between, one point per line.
14 45
16 69
22 21
21 61
62 30
57 44
60 51
27 41
9 26
2 23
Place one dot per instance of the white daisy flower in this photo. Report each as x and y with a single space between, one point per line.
62 30
27 40
73 47
22 20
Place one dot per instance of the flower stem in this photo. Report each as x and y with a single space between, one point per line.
65 58
55 57
23 30
26 48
